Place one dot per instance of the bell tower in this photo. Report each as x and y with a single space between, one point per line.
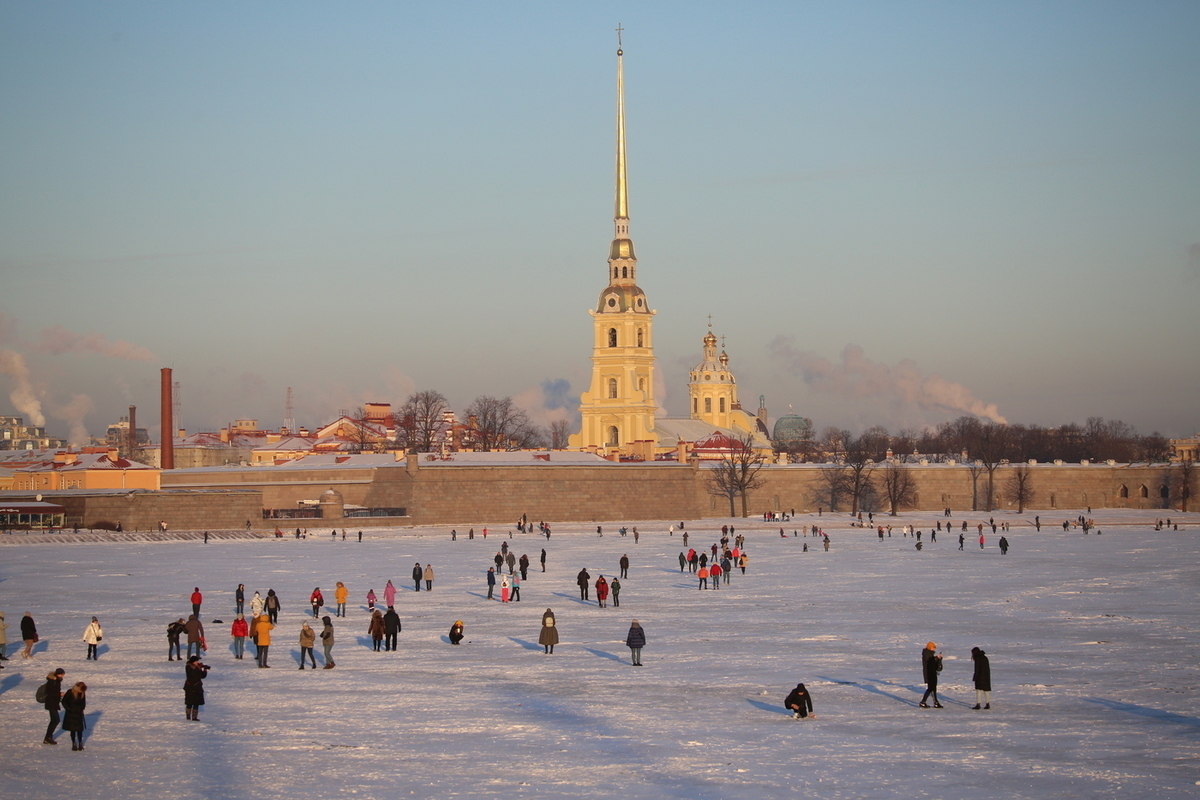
618 409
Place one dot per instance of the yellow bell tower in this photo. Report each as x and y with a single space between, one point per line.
618 409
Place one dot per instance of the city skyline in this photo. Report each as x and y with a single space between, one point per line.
895 213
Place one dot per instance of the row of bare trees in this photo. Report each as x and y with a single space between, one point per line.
492 423
1097 440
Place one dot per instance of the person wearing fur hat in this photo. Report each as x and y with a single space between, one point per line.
308 638
799 702
53 702
982 678
931 665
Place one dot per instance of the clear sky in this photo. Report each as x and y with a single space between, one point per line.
896 212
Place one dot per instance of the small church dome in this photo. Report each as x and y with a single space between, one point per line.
331 496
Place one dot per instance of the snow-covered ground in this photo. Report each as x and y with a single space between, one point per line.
1094 643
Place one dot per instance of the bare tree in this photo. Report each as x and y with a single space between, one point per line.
560 432
860 457
1019 489
497 424
361 433
831 487
1185 475
899 487
737 472
992 449
975 468
422 418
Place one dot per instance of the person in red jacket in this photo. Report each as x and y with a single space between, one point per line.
197 598
602 591
714 572
239 631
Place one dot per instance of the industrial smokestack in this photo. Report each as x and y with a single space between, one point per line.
167 459
132 432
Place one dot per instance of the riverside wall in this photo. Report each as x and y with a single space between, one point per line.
466 495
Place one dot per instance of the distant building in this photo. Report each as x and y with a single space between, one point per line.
16 435
1186 449
90 468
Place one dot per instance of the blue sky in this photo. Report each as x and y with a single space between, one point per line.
896 212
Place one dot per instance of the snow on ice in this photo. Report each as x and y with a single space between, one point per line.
1093 641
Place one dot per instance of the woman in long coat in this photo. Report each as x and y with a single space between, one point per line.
73 703
549 634
982 678
193 687
29 634
375 629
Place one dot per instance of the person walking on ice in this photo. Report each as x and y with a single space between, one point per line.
548 637
931 665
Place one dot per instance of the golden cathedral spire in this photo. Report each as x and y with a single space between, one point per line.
622 245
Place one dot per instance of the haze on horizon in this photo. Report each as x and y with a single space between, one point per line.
897 213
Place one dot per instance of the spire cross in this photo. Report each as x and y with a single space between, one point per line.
710 322
619 29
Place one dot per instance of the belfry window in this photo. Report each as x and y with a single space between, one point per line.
708 405
612 337
614 439
639 337
624 272
612 388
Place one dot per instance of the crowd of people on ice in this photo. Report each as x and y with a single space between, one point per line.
712 566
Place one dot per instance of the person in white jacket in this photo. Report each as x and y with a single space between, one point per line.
92 634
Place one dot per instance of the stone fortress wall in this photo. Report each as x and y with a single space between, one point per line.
478 495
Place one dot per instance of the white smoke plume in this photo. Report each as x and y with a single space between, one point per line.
23 396
57 340
73 413
856 376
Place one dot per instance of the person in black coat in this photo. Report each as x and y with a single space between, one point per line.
53 702
174 631
416 576
799 702
391 627
29 635
193 687
73 703
635 641
931 665
456 632
583 578
982 678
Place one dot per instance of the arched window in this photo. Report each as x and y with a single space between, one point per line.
1124 491
612 337
641 384
639 337
614 439
1164 492
612 388
722 405
624 272
1143 491
708 405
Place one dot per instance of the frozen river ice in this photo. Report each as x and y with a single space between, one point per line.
1094 642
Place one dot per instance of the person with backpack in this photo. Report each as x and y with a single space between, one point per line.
271 606
317 600
49 694
92 634
174 631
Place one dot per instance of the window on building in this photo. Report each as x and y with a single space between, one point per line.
695 405
708 405
722 405
614 439
624 272
1124 491
612 388
1164 492
639 337
1143 491
612 337
641 384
